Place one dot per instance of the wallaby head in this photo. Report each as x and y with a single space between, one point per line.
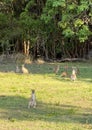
73 71
32 101
33 91
73 75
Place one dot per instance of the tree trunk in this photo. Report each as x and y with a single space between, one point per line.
24 44
27 48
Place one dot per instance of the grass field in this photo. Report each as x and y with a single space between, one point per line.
61 103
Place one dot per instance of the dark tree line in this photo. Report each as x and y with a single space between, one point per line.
52 29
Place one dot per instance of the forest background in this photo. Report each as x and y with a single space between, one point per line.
51 29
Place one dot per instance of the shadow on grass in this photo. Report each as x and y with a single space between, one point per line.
14 108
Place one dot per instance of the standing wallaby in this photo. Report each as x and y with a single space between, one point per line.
56 69
73 75
32 101
24 70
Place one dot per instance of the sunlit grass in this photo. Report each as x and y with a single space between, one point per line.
61 103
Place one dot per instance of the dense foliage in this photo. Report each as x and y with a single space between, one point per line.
46 28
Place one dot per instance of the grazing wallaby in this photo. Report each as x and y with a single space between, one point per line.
24 70
65 72
32 101
56 69
17 69
73 75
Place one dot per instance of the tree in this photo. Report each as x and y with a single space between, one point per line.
46 28
73 19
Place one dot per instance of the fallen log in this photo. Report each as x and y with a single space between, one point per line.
72 60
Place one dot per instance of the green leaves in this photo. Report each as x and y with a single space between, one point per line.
83 33
25 19
78 23
58 3
84 6
72 6
62 25
46 18
68 32
3 19
51 9
73 23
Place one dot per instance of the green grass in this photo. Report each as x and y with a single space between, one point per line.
61 103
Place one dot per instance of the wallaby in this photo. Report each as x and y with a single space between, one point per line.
73 75
32 101
65 72
56 69
24 69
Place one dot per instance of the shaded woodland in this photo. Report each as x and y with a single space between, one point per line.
50 29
